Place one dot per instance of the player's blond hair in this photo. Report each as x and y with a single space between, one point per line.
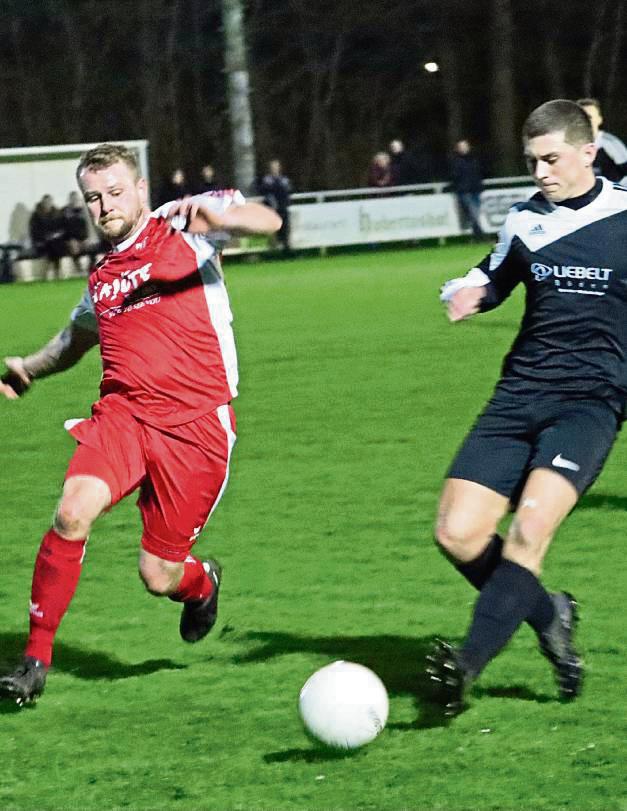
105 155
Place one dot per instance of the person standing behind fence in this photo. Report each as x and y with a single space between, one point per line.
379 171
466 179
176 187
276 190
611 157
207 179
75 230
46 234
403 165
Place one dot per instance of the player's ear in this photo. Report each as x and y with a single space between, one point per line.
142 187
589 152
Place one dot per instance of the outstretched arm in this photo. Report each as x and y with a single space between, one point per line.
60 353
238 220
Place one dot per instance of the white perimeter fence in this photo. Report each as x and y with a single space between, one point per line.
398 214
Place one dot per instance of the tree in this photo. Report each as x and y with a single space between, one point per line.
238 91
503 109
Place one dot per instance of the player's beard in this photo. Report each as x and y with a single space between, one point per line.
117 228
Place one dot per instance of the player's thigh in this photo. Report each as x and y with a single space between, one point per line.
187 472
468 515
83 499
546 500
576 441
497 450
109 448
570 452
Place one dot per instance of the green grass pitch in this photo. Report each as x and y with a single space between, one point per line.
355 392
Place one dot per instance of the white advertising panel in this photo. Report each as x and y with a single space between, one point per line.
355 222
394 219
495 203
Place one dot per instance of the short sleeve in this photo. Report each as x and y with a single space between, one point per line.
83 314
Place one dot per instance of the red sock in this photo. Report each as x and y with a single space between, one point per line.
56 574
195 583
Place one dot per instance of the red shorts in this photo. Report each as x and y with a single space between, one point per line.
181 472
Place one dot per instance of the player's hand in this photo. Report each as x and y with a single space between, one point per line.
15 381
465 303
196 214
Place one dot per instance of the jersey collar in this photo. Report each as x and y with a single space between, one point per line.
122 246
575 203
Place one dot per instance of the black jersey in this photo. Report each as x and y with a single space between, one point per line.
572 259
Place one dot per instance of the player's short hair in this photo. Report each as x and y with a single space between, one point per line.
105 155
559 115
590 102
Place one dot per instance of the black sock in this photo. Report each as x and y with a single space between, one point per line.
508 598
479 570
543 612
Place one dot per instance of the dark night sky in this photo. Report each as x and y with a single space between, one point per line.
332 82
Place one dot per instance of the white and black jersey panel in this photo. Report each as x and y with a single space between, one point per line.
573 264
611 157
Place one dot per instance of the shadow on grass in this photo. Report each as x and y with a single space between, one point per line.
397 660
316 754
602 501
82 662
517 691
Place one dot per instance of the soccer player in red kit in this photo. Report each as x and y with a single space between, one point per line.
158 307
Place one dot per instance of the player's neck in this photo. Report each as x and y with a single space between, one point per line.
132 236
584 198
585 187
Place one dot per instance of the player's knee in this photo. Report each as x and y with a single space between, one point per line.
530 530
455 538
71 519
83 500
159 578
527 541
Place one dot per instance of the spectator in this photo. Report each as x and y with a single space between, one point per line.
403 165
176 188
276 189
379 172
611 157
46 234
207 179
467 182
75 230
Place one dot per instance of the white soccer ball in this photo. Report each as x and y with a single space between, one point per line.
344 705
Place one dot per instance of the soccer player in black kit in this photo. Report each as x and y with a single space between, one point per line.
544 435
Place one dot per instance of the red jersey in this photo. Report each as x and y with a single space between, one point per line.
164 320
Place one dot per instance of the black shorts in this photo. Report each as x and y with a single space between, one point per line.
517 434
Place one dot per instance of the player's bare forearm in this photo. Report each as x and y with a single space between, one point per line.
250 218
60 353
